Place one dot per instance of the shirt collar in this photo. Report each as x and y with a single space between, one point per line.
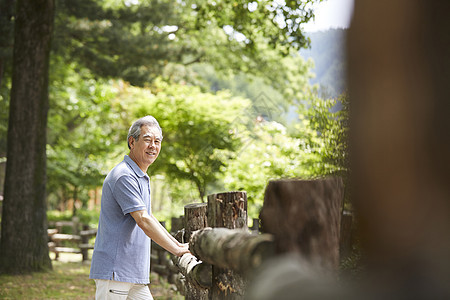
134 167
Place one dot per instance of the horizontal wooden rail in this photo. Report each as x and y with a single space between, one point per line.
234 249
79 241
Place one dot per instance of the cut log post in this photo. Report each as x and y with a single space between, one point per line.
227 210
84 241
198 275
345 242
233 249
176 224
255 226
304 217
195 218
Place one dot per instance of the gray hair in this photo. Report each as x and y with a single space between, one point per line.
135 129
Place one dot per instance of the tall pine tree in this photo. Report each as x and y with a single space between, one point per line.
23 245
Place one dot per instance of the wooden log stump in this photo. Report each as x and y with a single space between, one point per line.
227 210
176 224
195 218
255 226
197 281
304 217
346 237
84 242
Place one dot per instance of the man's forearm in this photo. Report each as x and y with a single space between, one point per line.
154 230
165 231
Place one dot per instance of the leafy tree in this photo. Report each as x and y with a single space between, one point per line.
83 131
137 40
267 153
329 120
316 147
199 130
23 245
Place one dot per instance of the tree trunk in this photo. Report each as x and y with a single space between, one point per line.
227 210
304 217
24 231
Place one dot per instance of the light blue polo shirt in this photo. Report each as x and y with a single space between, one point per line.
122 249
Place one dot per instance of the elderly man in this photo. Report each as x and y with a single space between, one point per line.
121 259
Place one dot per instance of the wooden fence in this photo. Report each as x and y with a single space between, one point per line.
298 217
76 242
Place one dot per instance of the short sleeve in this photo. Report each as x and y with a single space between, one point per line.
128 194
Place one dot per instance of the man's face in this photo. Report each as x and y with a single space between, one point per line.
145 150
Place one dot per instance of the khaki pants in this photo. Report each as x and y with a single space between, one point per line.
117 290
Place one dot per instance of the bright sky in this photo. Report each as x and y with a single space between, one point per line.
331 14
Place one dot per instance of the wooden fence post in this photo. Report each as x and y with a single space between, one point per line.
304 217
346 238
176 224
195 219
227 210
84 241
255 226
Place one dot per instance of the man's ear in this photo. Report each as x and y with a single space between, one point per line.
130 142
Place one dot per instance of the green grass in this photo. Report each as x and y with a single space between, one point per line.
69 279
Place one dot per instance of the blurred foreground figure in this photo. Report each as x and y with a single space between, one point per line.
399 63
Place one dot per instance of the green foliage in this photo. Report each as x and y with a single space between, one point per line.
136 41
316 148
56 215
269 153
198 129
225 64
329 119
117 40
275 21
82 131
85 216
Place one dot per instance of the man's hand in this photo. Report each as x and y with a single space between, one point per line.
183 249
